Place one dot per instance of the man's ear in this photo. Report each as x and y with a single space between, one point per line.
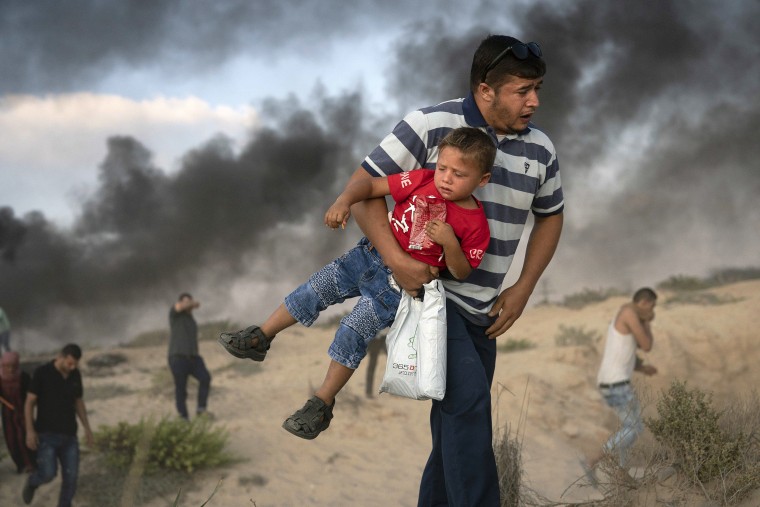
486 92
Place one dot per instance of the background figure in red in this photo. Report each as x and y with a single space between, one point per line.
14 384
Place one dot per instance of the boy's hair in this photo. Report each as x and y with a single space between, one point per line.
474 144
73 350
644 294
531 67
184 295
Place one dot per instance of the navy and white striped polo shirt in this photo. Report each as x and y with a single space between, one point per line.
525 178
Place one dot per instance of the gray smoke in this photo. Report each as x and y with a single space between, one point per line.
653 111
143 235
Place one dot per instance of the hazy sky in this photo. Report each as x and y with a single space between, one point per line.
153 147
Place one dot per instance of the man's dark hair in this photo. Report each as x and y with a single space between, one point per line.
532 67
474 144
184 295
644 294
73 350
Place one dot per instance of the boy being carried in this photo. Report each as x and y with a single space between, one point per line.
423 198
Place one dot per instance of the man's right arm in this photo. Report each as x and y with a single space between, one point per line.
186 304
372 217
640 329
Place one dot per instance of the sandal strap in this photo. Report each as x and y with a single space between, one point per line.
243 340
315 416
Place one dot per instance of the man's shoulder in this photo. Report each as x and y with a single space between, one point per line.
42 374
625 314
535 135
44 368
449 106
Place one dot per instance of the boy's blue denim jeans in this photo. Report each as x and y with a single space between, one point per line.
360 272
54 448
624 402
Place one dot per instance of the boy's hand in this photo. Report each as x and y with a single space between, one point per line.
440 232
337 215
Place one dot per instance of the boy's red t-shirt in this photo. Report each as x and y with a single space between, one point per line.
411 188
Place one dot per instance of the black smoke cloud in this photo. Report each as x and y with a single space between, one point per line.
145 235
653 111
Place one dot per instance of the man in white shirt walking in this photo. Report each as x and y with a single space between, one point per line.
629 330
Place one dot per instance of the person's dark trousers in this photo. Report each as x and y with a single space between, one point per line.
183 367
461 469
54 448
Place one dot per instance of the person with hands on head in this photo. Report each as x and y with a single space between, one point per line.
56 394
435 218
505 78
629 331
184 356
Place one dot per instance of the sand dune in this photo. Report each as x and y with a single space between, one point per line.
375 449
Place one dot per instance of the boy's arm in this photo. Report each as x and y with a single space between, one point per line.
356 190
456 261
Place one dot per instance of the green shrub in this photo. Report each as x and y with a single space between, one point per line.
732 275
172 444
589 296
107 391
717 278
683 283
688 429
515 345
573 336
699 298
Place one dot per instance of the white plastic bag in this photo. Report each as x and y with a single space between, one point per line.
416 342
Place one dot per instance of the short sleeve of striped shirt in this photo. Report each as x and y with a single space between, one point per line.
404 149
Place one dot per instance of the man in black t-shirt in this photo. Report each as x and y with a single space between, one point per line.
184 359
56 393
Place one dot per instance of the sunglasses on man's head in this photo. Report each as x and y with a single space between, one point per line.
520 51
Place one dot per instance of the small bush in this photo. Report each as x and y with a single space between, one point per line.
509 465
515 345
683 283
574 336
107 391
688 427
700 298
172 444
732 275
717 278
589 296
722 464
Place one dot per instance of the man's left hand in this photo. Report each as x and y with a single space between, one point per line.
507 309
89 438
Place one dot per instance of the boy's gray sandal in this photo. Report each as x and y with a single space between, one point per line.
250 343
311 420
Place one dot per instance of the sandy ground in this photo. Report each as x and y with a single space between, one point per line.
375 449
